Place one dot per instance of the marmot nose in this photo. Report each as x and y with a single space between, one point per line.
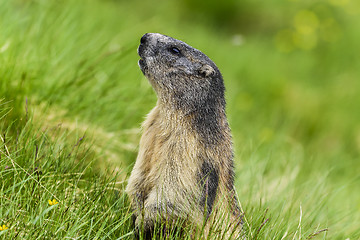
144 38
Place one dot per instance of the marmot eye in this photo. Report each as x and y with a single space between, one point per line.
174 50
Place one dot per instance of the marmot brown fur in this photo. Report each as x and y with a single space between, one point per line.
184 169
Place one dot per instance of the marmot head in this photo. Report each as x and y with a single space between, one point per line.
179 73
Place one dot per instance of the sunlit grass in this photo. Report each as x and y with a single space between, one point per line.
72 99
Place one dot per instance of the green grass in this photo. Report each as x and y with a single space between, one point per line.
72 99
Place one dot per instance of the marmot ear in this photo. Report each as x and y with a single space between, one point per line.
206 70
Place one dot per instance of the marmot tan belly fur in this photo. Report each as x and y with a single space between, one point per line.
184 170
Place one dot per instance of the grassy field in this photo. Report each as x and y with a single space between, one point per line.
72 100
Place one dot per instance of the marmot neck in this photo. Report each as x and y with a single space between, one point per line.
208 121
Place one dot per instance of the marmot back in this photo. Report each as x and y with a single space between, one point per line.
184 169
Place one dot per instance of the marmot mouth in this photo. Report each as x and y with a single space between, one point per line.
142 61
142 65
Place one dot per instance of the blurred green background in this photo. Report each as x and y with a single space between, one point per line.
291 70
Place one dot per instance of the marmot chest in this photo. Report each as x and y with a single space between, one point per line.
171 146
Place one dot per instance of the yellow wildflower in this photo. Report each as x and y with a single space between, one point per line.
3 227
53 202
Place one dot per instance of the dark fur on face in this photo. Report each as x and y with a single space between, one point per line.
181 72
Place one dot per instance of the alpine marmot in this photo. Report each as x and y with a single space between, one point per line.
184 175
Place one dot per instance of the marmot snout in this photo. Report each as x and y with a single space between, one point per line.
184 169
